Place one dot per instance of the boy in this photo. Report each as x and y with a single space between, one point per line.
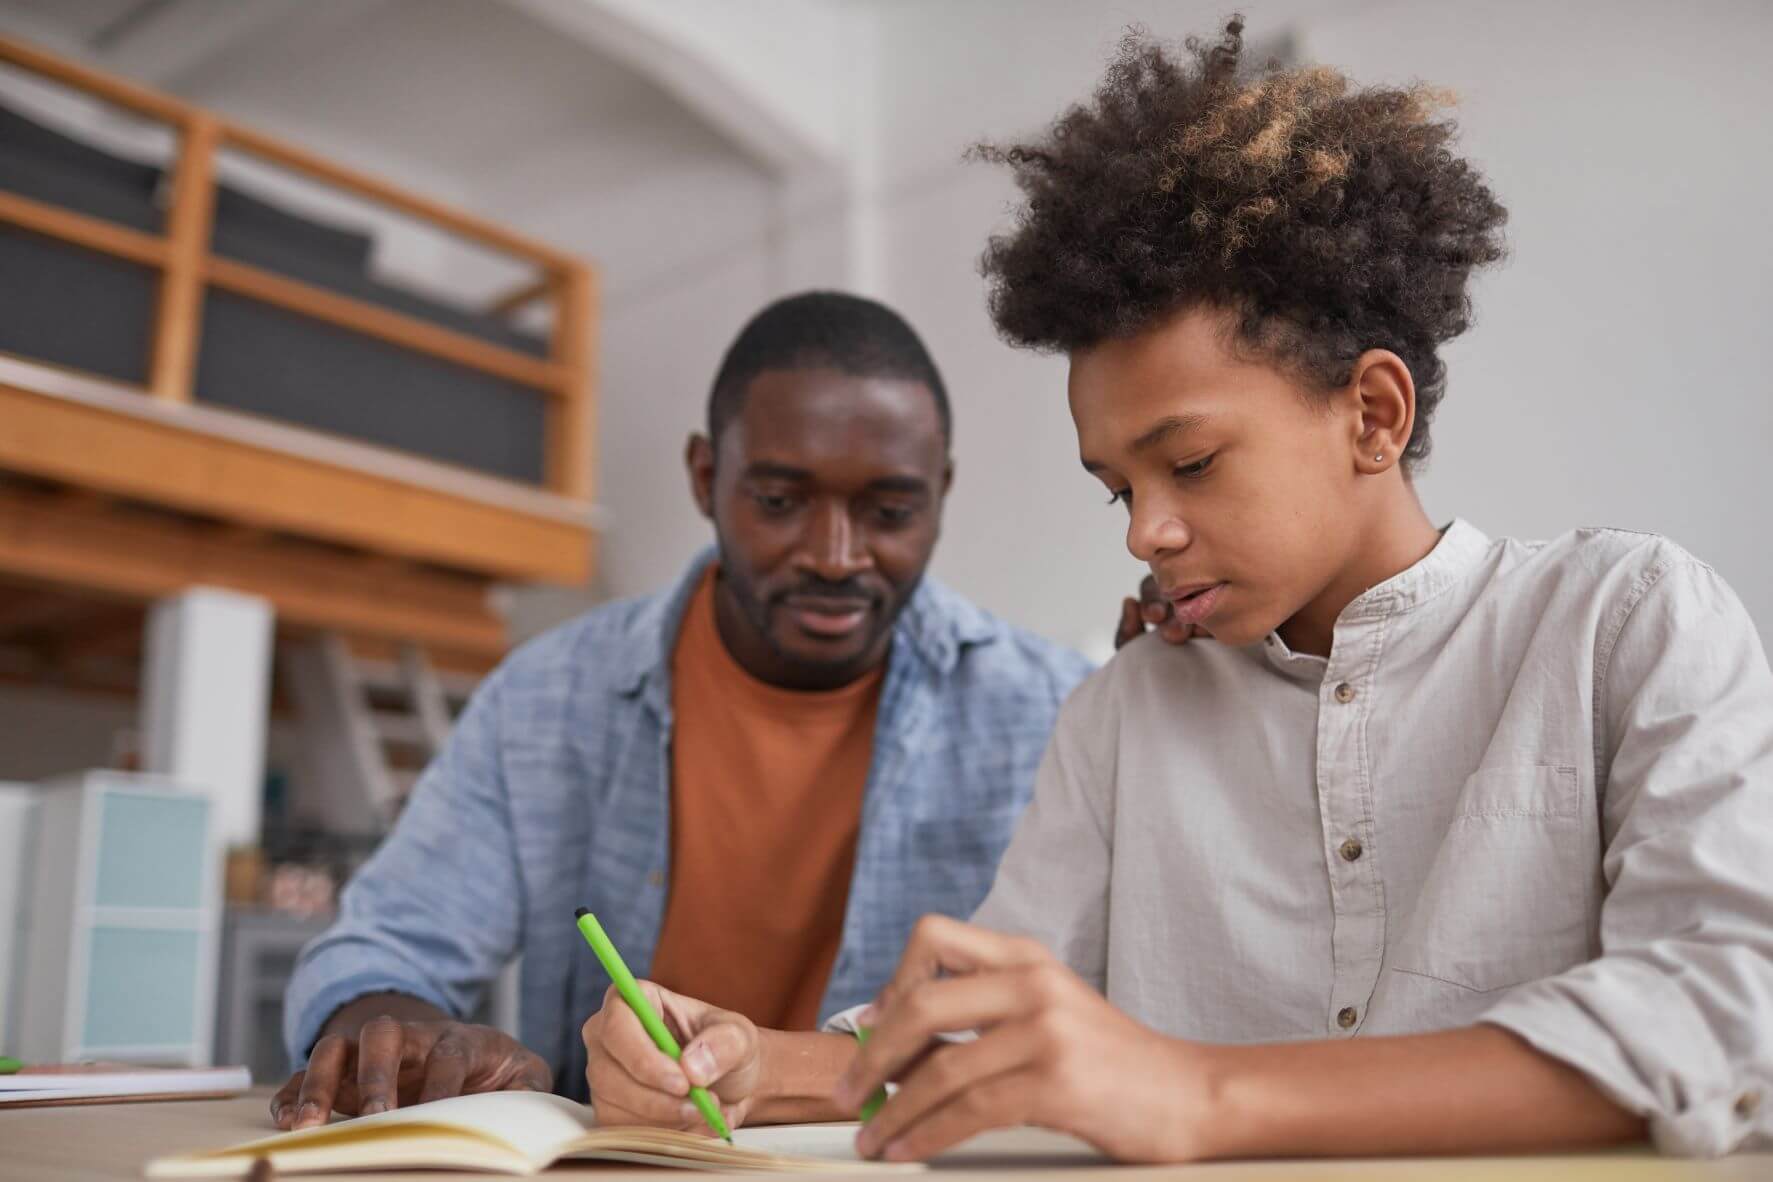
1507 806
1441 844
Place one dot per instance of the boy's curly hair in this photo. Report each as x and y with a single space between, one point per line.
1330 219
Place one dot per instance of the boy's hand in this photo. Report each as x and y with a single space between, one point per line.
390 1063
1051 1052
1153 609
633 1082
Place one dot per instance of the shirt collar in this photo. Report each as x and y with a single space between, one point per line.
937 624
1461 548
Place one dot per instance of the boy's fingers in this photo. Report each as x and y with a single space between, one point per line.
916 1016
621 1099
722 1045
626 1041
943 1076
996 1103
940 944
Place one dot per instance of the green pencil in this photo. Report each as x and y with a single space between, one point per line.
643 1009
10 1066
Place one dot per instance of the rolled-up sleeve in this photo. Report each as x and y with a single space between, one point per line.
1674 1020
435 914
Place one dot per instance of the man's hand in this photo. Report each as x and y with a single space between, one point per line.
388 1063
1051 1052
633 1082
1153 609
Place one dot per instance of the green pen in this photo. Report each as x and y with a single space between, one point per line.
880 1093
10 1066
643 1009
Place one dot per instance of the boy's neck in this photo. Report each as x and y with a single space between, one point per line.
1398 537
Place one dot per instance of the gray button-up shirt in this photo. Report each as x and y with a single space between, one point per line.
1532 785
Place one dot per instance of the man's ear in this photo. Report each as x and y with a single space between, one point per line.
698 458
948 479
1386 393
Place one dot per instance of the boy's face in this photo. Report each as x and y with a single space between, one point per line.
1242 487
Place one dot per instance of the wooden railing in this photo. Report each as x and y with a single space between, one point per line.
187 266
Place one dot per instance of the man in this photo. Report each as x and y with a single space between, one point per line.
758 779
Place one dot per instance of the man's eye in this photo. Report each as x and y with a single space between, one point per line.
894 515
1197 469
774 502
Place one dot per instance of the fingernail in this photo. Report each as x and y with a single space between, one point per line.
864 1143
1153 613
689 1112
375 1106
308 1115
897 1151
869 1016
699 1063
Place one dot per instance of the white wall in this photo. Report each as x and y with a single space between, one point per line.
1615 375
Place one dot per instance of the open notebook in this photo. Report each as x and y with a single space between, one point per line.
520 1133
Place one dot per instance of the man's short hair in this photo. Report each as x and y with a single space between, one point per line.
824 330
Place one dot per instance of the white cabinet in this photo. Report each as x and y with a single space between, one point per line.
17 803
120 951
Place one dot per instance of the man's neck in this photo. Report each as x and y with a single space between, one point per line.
1399 537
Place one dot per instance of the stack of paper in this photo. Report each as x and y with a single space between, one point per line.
96 1083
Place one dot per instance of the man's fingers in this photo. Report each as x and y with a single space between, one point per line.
283 1102
946 1074
1131 626
915 1017
327 1065
446 1068
1148 593
379 1052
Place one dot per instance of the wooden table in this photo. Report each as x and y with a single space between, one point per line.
113 1141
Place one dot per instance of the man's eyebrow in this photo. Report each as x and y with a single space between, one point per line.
1165 428
899 484
765 470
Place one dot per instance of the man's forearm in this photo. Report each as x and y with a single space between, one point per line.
349 1018
800 1069
1476 1090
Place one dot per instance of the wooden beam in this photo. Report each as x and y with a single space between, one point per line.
397 328
109 87
570 421
143 558
157 460
172 365
456 221
93 233
521 296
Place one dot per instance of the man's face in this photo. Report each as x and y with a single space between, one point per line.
826 496
1239 485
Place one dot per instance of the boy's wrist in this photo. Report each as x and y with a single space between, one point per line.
797 1072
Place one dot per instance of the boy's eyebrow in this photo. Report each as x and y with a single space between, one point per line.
1165 428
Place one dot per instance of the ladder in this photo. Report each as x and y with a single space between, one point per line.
369 727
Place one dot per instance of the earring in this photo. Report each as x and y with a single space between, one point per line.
1379 459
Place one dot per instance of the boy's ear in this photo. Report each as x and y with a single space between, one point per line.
1386 393
698 459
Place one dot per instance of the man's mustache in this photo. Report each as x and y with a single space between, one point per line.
848 591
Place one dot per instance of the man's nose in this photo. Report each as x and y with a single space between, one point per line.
834 549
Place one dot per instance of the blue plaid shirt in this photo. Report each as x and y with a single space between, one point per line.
554 793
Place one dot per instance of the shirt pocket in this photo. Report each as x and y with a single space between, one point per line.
1512 893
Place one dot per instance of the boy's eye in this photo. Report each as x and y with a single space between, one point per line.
1196 469
1121 496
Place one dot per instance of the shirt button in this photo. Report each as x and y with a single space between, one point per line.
656 878
1748 1104
1346 1017
1351 850
1345 693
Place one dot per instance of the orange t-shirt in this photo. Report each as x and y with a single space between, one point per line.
766 802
